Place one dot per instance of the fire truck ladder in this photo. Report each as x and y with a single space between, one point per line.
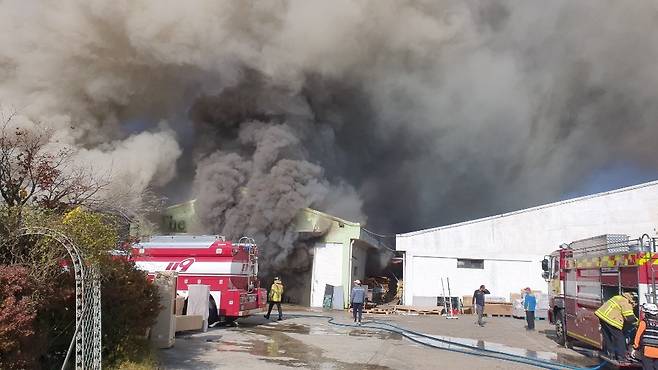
250 244
650 244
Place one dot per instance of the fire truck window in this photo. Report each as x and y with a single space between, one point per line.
570 287
609 291
470 264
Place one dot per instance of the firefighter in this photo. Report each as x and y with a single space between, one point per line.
275 296
612 315
646 338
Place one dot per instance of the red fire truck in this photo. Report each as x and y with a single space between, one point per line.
230 270
584 274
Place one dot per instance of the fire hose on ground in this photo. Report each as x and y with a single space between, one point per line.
452 345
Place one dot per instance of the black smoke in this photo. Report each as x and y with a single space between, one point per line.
402 114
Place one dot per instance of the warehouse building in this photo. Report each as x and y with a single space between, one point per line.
504 252
341 251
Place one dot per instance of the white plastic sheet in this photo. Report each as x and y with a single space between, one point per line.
197 302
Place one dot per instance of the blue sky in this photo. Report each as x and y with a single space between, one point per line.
614 176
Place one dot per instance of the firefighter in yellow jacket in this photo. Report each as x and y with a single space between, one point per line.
275 296
612 315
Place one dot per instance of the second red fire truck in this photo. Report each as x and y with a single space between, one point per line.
229 268
584 274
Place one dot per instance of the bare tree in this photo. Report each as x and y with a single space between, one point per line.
33 173
130 208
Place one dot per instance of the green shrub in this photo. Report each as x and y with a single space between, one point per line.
130 306
37 314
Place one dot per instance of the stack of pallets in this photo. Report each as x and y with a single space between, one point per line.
417 310
383 310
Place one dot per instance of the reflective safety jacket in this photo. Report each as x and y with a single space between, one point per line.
276 292
615 311
646 337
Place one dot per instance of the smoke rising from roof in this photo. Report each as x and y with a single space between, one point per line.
420 112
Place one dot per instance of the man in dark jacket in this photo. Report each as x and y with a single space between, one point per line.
478 303
357 299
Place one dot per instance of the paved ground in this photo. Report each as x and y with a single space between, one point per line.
313 343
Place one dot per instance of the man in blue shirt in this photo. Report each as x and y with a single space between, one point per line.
357 299
529 304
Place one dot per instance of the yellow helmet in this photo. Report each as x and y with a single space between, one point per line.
631 296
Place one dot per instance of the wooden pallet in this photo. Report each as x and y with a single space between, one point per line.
379 311
418 310
523 318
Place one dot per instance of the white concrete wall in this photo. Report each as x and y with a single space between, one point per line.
500 277
513 244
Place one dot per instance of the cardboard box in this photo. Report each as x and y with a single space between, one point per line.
541 314
503 309
162 333
189 322
494 299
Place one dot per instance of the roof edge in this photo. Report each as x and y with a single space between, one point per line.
535 208
332 217
306 209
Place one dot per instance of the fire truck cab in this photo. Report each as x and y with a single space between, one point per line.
230 270
584 274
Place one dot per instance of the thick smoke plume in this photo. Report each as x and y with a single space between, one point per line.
412 113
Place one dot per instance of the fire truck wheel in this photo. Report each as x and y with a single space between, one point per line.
560 329
229 320
213 315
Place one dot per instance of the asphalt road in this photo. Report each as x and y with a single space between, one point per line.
313 343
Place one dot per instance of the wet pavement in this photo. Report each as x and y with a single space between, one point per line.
313 343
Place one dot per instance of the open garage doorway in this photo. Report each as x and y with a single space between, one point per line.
380 268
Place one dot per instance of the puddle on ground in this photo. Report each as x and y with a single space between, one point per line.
287 327
574 360
282 349
379 334
322 330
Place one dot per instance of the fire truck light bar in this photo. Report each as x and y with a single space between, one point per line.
174 245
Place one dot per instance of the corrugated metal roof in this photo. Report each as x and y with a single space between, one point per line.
572 200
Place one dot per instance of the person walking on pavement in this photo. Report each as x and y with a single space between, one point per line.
275 296
646 338
478 303
357 300
612 315
529 304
